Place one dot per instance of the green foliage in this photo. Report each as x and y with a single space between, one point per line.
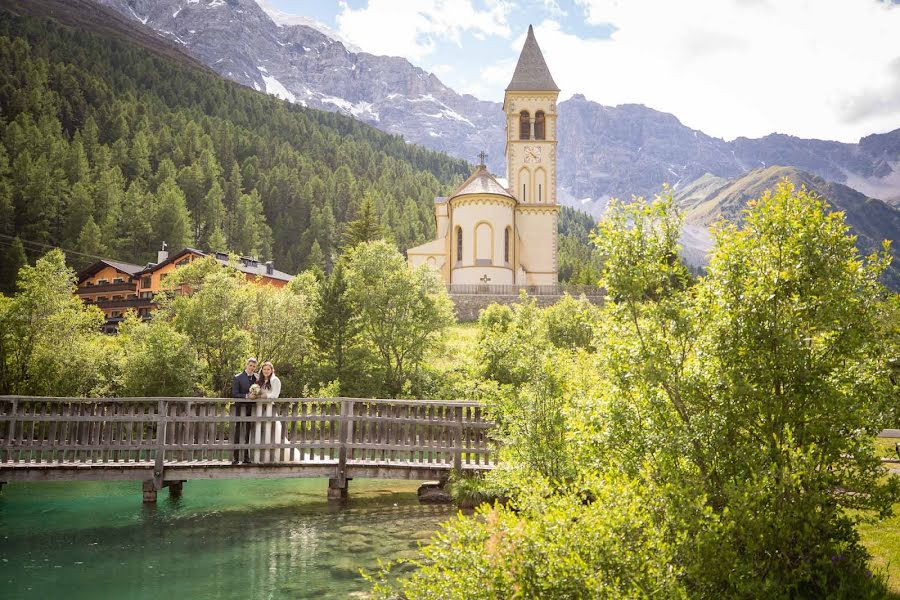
13 259
337 333
155 149
760 388
366 227
579 261
213 317
47 334
559 547
157 359
403 312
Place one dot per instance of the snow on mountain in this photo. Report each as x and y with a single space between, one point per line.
283 18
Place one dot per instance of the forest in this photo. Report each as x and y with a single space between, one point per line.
108 150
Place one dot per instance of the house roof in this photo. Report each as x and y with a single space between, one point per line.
244 264
98 266
481 182
531 72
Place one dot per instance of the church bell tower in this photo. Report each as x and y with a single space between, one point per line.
529 105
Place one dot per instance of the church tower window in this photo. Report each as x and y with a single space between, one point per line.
524 125
539 125
459 244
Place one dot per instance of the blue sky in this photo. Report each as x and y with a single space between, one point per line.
826 68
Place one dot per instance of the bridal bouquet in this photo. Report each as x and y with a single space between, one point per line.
254 392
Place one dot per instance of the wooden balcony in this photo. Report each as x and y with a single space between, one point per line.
108 288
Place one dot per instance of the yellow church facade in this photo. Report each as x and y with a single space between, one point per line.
491 234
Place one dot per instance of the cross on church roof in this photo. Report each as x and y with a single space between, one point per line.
481 156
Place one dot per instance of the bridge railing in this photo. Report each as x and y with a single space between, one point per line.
38 431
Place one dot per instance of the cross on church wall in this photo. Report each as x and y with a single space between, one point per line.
481 156
484 278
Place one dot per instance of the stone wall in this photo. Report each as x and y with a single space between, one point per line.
469 306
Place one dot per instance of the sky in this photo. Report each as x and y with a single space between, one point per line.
827 69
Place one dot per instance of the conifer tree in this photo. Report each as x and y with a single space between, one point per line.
316 258
171 221
90 242
336 327
366 227
13 259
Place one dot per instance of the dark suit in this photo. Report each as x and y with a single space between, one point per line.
240 387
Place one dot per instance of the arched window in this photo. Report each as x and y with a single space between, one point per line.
539 125
506 245
459 244
484 244
524 125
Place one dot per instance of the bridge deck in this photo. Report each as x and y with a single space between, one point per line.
164 440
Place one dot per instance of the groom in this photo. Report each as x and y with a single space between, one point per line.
240 388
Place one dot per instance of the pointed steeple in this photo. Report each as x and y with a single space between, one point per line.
531 72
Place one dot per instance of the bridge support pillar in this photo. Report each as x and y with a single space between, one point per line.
175 488
338 488
150 490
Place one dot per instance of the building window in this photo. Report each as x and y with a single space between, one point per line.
524 125
182 262
102 281
145 281
506 245
459 244
118 280
539 193
539 125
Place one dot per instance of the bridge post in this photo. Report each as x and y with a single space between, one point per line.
152 486
338 486
457 441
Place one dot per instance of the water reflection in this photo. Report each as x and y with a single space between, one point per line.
267 539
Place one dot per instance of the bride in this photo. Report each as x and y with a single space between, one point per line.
269 389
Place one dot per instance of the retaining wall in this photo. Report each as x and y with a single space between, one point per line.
469 306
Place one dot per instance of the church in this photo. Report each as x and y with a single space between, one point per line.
496 235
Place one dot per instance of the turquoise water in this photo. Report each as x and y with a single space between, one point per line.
268 539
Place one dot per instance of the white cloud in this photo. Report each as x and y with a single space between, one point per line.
413 29
738 67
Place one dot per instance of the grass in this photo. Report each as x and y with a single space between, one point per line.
882 539
459 348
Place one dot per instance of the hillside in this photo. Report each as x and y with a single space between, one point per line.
604 151
113 142
710 199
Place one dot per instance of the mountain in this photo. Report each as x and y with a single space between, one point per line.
603 151
113 142
710 199
241 41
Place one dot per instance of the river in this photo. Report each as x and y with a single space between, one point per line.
266 539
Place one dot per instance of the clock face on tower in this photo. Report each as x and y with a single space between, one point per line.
532 154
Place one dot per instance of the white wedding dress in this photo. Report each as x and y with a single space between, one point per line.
263 431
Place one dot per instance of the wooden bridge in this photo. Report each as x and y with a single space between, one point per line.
164 442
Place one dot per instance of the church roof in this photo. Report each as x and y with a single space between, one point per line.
481 182
531 72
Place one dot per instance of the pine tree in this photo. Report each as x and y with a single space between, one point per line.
90 242
366 227
316 258
212 215
171 221
13 259
336 327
